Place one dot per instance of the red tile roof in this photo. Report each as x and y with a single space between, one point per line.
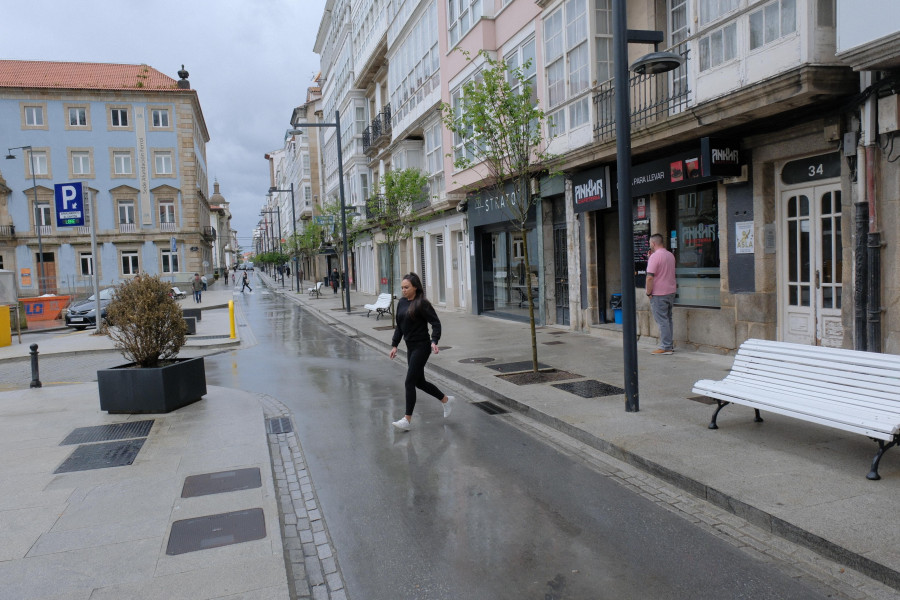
82 76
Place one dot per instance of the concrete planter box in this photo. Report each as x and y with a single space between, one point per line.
132 389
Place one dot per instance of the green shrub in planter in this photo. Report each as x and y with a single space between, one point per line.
147 324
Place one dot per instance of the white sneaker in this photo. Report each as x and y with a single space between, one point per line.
402 424
448 406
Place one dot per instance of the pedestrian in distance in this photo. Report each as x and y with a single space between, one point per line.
414 314
204 281
661 287
197 287
245 282
334 279
232 278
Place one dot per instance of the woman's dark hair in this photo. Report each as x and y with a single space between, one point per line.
420 300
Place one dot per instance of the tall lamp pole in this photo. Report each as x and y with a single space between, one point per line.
276 242
272 190
657 62
11 156
340 161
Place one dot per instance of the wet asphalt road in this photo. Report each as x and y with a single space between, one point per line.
470 507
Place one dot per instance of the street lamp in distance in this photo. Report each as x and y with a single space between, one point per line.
273 190
11 156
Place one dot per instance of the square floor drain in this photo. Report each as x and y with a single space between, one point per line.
490 408
279 425
221 482
101 456
106 433
512 367
215 531
589 388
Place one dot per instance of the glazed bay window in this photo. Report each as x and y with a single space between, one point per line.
568 72
693 214
463 14
772 21
604 40
710 10
414 67
129 262
520 57
169 261
718 47
122 163
434 160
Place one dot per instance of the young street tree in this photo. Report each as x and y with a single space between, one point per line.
333 209
500 125
307 243
392 212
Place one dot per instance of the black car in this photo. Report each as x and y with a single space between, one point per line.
81 315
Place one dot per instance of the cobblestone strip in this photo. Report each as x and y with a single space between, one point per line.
309 555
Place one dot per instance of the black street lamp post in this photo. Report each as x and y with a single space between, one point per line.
276 240
11 156
340 161
657 62
272 190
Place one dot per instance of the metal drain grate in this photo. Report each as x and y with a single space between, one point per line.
512 367
215 531
554 343
101 456
279 425
221 482
490 408
589 388
106 433
478 360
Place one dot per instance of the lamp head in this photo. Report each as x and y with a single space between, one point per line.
656 63
272 189
10 156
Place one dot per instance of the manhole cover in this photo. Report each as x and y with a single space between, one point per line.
383 328
530 377
512 367
223 481
490 408
553 343
702 399
214 531
590 388
101 456
478 360
279 425
105 433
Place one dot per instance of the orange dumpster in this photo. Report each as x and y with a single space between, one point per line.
45 308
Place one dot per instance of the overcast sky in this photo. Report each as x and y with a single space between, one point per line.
250 61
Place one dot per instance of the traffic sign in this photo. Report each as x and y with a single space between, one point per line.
69 204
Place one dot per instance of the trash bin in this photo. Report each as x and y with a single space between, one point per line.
615 303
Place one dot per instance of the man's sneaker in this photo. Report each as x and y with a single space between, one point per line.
448 406
402 424
660 351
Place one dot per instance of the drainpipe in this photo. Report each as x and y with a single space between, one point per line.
873 254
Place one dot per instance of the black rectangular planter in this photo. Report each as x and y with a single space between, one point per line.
131 389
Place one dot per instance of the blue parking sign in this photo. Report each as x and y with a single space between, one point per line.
69 204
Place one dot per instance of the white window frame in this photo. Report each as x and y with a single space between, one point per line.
43 214
718 47
125 210
772 11
712 10
86 263
568 68
80 114
123 163
461 17
41 165
603 40
34 115
119 114
166 211
165 160
168 261
163 114
130 261
80 162
434 158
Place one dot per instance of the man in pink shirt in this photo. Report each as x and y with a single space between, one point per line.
661 291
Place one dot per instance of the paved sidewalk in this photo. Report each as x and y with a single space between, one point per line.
803 482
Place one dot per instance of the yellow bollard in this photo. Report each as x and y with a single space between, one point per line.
231 316
5 327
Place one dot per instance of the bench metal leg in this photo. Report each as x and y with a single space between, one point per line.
722 404
758 418
882 448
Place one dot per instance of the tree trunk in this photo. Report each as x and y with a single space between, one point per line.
391 250
534 356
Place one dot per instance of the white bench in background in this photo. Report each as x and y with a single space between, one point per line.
382 306
316 291
845 389
178 293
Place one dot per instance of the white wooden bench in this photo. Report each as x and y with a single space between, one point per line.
382 306
178 294
845 389
315 290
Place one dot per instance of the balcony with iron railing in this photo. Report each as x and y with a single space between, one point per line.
654 98
208 233
378 133
7 231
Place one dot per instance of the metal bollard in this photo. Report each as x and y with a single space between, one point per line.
35 378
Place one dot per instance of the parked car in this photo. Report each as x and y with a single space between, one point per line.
82 314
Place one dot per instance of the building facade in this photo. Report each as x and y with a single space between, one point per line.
136 139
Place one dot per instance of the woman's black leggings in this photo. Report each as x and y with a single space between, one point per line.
416 357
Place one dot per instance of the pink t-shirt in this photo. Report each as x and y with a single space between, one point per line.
662 266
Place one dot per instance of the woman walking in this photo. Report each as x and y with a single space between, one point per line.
414 313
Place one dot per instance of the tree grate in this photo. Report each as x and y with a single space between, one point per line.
101 456
513 367
221 482
589 388
106 433
214 531
279 425
490 408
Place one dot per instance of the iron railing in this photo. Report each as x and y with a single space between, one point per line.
7 231
653 98
208 232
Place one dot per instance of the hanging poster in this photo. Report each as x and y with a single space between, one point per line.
743 237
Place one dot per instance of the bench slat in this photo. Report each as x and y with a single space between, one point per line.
839 355
824 380
859 372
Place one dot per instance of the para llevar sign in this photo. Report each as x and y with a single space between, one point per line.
69 204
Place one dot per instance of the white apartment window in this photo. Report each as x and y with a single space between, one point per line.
718 47
460 147
166 211
678 26
169 261
34 116
42 215
307 193
126 212
604 40
119 117
129 262
463 15
87 263
772 21
434 159
39 159
364 185
306 164
567 52
122 163
360 119
159 117
163 163
710 10
519 58
81 163
77 116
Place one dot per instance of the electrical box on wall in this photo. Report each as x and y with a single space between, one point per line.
889 113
